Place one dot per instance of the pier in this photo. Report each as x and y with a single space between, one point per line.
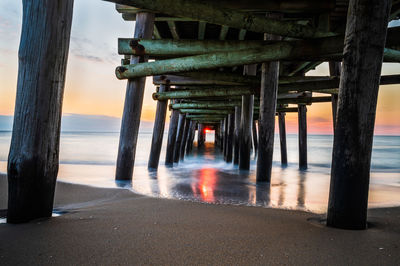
229 66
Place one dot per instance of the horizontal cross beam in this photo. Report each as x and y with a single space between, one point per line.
215 14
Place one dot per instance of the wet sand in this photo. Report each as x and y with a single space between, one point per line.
118 227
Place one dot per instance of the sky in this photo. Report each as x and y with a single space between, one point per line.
91 86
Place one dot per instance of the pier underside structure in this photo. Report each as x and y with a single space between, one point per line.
229 66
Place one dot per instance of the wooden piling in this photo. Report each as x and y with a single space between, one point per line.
226 130
302 116
266 120
255 137
200 136
179 137
173 128
158 131
221 134
334 71
189 144
245 132
236 145
282 138
184 139
351 160
33 157
133 105
229 143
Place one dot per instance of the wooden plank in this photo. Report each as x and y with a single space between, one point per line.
158 132
33 157
223 32
255 136
213 13
364 45
133 106
172 131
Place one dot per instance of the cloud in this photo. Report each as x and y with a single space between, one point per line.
84 48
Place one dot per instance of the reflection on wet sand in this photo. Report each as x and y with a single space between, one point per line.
205 177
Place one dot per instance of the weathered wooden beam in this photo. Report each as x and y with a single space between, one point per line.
188 47
179 136
202 93
182 80
272 52
206 105
206 111
361 68
282 137
212 13
158 131
256 5
33 157
223 32
133 106
280 51
172 131
302 116
193 116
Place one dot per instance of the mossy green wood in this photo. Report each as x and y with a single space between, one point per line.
202 93
208 12
206 111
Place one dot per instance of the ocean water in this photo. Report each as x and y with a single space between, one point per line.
89 158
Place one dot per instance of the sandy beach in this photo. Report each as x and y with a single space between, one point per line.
118 227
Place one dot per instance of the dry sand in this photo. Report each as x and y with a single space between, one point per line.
118 227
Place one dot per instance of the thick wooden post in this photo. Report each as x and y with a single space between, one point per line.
229 143
158 131
133 105
179 137
245 132
185 138
359 83
238 115
200 136
266 121
246 123
222 126
302 116
334 71
192 130
282 138
226 130
255 137
33 157
173 128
